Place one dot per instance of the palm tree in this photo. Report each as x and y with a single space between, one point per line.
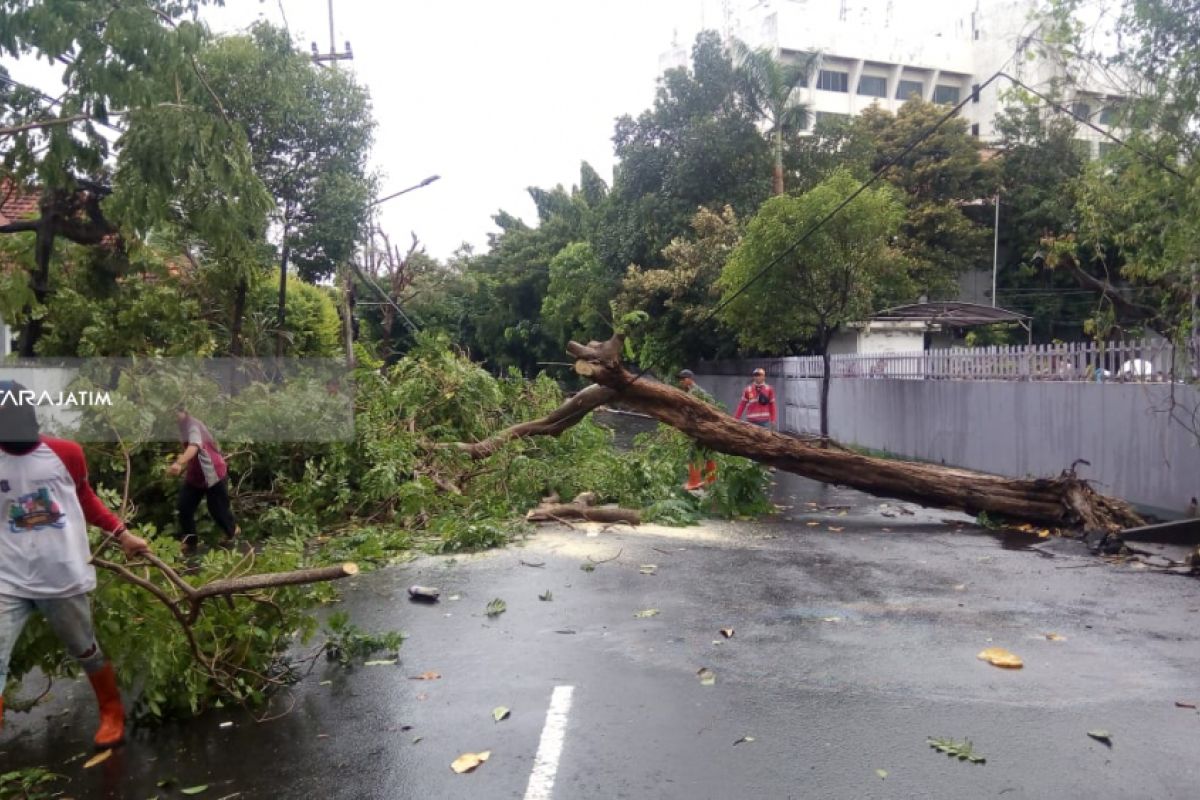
770 87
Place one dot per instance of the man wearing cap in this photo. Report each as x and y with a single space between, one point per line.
696 479
758 402
46 504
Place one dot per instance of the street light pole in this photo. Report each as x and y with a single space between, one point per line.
996 250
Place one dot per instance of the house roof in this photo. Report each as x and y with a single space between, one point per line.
16 203
952 314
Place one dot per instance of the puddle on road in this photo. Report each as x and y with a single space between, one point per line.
1017 540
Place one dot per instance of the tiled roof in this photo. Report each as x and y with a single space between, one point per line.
16 203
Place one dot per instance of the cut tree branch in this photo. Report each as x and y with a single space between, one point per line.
553 424
44 123
584 507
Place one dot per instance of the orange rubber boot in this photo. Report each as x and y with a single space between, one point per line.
112 713
710 472
693 482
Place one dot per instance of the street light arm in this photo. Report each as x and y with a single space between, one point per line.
420 185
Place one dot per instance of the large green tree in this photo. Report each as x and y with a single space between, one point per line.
668 310
698 146
780 296
310 131
938 178
137 138
1139 212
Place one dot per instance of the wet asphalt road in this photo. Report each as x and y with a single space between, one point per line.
851 647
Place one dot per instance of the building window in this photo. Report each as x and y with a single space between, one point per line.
872 86
975 129
1084 148
827 118
832 81
945 94
1081 110
1108 115
1106 148
907 89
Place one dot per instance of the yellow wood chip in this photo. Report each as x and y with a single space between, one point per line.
1000 657
469 761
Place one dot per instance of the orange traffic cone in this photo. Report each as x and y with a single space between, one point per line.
710 472
693 482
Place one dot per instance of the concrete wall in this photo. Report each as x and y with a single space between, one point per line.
1138 448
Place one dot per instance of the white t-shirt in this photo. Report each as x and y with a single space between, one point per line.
46 504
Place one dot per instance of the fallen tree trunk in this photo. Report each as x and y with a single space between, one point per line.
582 507
1062 501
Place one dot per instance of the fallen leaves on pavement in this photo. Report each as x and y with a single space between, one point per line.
963 751
743 740
649 612
707 676
99 758
496 607
648 569
999 657
1054 637
1102 736
727 633
469 761
426 676
500 713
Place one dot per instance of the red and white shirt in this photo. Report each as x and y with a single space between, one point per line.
46 504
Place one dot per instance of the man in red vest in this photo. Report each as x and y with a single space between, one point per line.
46 504
758 402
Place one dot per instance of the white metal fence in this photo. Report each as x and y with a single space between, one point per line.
1120 361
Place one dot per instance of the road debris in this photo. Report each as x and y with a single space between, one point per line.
648 612
727 632
546 596
424 594
707 676
500 713
999 657
496 607
1102 736
744 740
467 762
963 751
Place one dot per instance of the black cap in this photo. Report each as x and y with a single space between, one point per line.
18 418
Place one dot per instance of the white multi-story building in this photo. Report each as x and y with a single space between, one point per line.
883 52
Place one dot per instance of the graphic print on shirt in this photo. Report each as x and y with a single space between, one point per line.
34 511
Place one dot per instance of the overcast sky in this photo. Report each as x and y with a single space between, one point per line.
492 95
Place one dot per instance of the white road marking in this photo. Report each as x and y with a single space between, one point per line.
545 764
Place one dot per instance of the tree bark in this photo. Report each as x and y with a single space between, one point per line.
239 317
582 507
562 418
40 280
1062 501
281 315
825 370
777 178
348 315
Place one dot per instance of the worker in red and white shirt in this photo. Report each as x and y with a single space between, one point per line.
46 504
205 476
758 402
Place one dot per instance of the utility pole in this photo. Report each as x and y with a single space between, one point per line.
333 54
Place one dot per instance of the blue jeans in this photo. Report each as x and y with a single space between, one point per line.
69 617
